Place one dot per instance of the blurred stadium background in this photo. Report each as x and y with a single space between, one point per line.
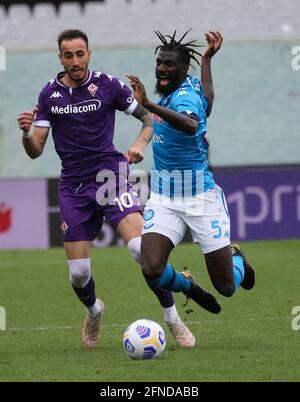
253 131
255 153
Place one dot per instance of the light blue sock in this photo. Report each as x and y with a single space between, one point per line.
171 280
238 270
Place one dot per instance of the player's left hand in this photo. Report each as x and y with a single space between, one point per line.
138 89
214 41
135 154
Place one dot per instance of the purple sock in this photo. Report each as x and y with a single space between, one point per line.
87 295
165 297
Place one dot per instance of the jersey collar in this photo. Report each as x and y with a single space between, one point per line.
165 100
62 73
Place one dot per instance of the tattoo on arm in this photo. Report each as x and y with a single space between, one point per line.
147 119
142 114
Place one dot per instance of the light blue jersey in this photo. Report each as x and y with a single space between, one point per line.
180 160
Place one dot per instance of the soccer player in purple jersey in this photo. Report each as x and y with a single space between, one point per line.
79 106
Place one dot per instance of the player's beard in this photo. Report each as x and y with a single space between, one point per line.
174 83
82 76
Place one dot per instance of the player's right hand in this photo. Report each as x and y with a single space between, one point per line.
25 120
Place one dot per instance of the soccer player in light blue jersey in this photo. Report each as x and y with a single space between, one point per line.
183 191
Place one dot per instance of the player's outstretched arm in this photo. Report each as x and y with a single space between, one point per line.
135 153
214 41
177 120
33 142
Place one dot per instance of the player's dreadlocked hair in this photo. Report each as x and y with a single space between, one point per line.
184 49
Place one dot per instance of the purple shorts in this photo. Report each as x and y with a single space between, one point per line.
83 206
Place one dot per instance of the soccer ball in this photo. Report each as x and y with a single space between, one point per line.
144 339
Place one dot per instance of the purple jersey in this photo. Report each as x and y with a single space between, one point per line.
82 121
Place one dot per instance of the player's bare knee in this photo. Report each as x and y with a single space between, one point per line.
152 269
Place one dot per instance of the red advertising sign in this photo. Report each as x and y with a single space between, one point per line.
23 214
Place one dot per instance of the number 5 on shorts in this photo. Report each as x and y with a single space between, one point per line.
215 225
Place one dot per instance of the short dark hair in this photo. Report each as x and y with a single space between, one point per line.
70 34
185 51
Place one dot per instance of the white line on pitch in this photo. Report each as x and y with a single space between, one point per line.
125 325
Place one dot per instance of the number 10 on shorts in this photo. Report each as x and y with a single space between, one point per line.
124 201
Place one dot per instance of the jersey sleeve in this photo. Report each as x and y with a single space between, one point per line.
187 103
42 116
123 97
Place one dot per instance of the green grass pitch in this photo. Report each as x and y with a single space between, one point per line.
250 340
